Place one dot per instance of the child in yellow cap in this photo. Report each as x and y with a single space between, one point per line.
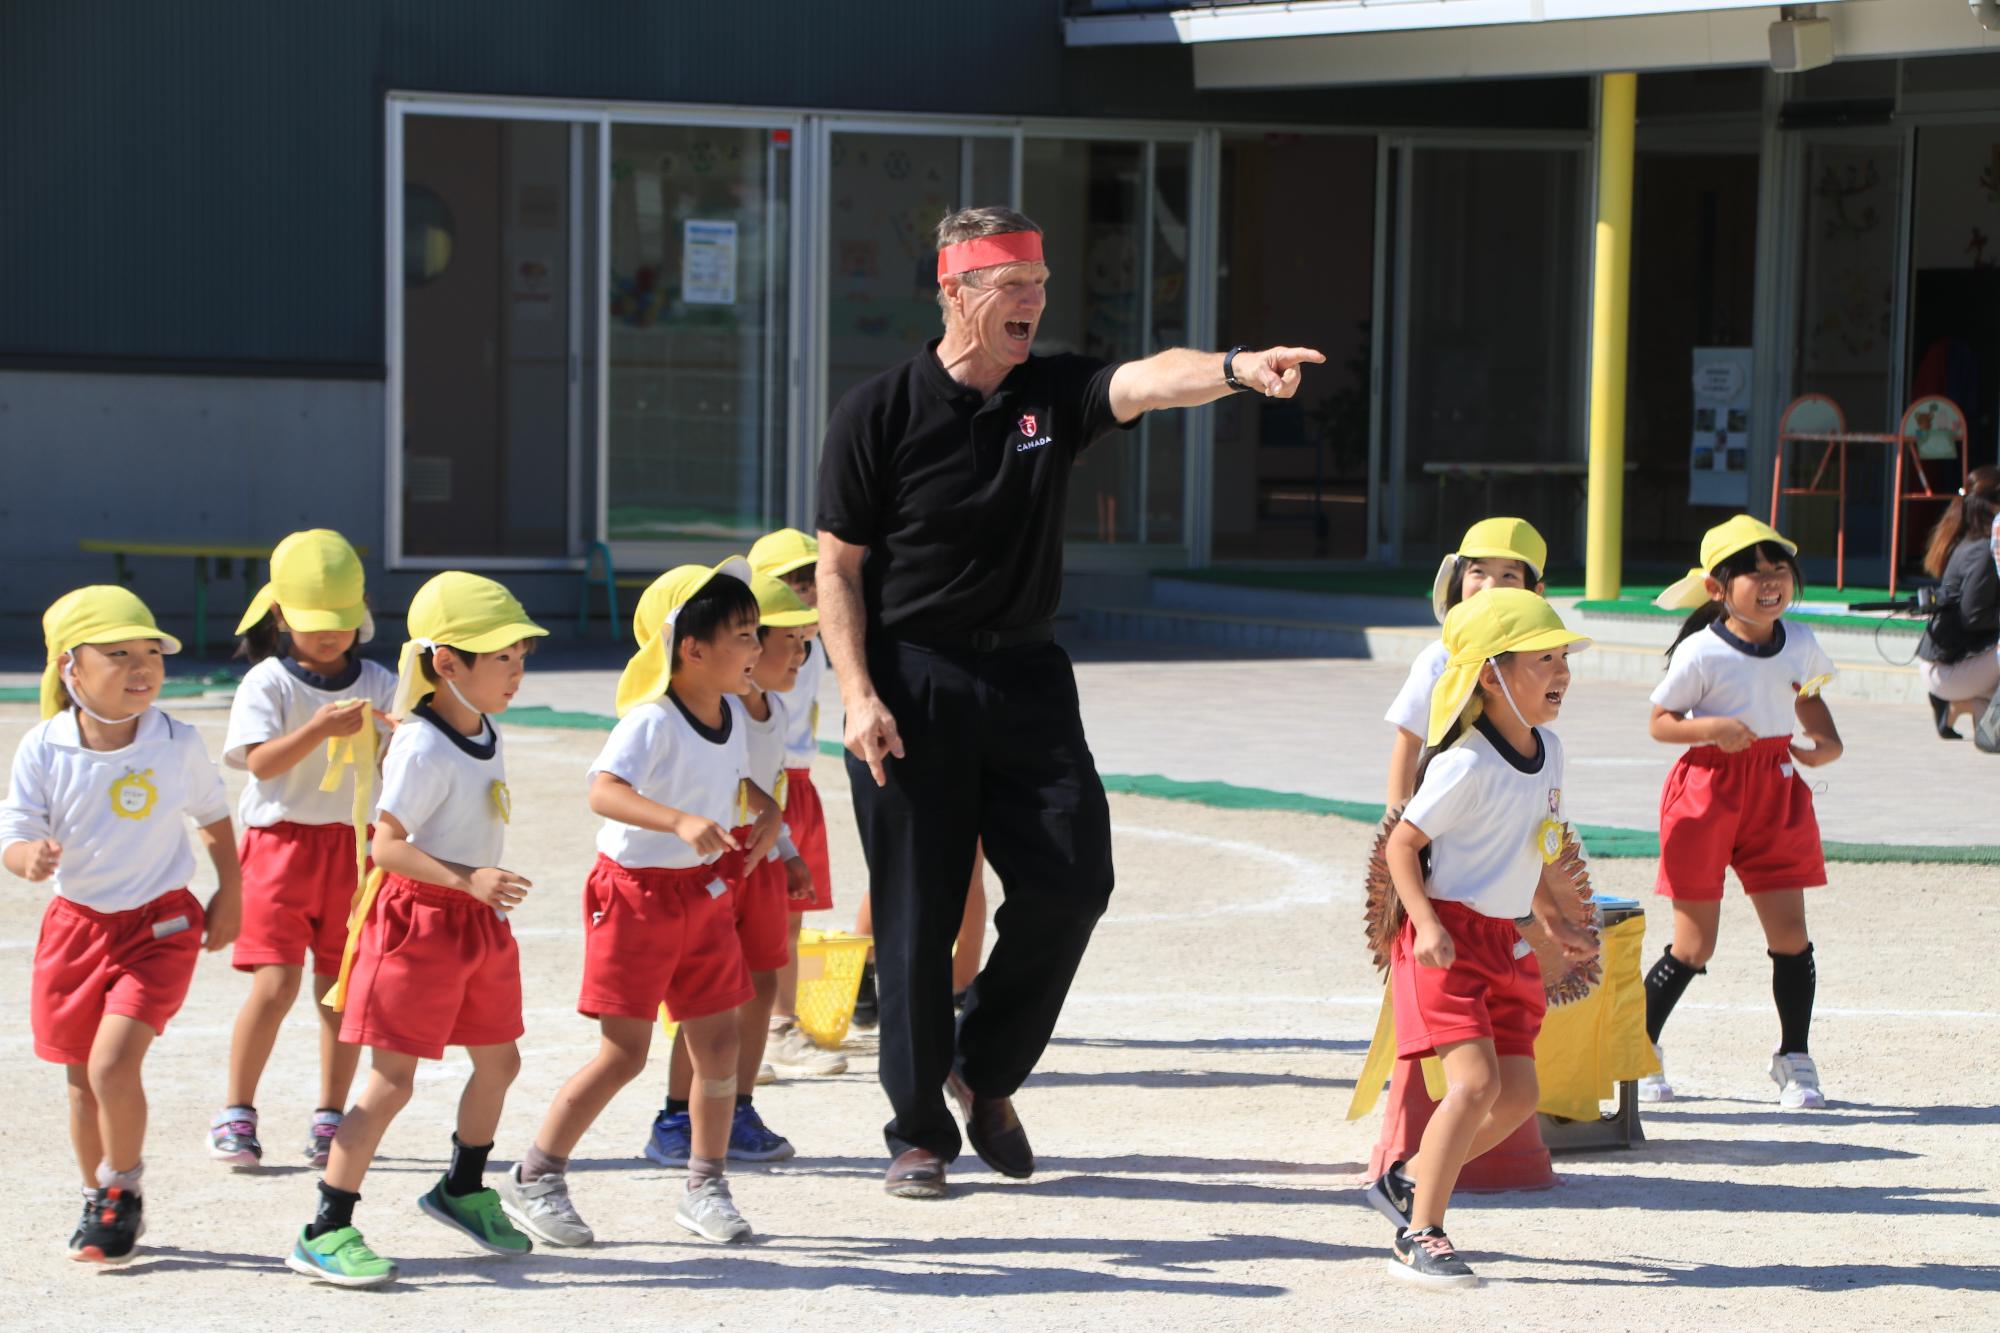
761 894
1488 810
792 557
1496 553
307 696
431 960
94 807
1739 680
673 786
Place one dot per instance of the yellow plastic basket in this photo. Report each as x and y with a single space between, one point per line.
830 964
829 980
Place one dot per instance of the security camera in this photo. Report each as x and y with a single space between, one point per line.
1807 43
1988 14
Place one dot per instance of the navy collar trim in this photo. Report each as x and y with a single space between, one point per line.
713 735
339 680
1521 762
1771 649
484 748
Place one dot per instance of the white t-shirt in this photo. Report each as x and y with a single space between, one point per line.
1714 674
117 813
275 699
1412 709
765 745
1485 818
802 709
659 752
447 790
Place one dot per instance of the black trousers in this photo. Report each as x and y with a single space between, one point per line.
995 751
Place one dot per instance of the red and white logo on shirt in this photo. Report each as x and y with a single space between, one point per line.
1028 424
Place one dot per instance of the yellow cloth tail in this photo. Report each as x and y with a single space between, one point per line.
357 752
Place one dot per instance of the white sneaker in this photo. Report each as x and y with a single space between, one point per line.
766 1074
795 1055
1797 1078
543 1209
709 1212
1654 1087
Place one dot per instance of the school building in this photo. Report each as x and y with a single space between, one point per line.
484 282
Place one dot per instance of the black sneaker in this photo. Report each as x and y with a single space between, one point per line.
111 1229
1392 1194
92 1201
1425 1257
867 1009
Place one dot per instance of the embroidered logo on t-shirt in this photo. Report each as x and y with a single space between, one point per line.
133 795
1028 424
503 801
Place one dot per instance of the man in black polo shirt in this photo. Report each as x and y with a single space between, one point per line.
941 506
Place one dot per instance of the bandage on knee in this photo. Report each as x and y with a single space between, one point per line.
719 1087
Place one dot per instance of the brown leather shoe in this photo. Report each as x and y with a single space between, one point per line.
917 1174
994 1130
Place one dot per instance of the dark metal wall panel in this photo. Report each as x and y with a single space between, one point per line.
199 183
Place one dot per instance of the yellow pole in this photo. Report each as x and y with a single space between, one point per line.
1610 292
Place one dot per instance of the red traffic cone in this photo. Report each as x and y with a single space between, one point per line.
1520 1162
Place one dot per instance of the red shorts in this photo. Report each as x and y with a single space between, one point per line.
436 967
1486 992
298 887
89 964
763 917
653 935
1751 810
806 818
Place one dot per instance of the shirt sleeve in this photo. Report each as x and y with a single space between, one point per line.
1684 684
256 715
850 500
1411 710
412 788
24 815
1814 663
207 801
1449 795
1084 382
633 748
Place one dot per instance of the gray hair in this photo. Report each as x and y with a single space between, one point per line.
970 224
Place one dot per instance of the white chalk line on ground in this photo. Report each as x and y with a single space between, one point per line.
1308 883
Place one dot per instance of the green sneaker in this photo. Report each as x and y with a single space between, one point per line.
477 1215
342 1258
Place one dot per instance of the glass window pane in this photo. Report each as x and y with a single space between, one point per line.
992 173
699 371
487 447
1492 344
1166 432
1088 199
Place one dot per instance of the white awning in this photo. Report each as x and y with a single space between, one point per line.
1115 25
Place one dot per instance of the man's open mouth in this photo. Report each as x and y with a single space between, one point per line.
1020 330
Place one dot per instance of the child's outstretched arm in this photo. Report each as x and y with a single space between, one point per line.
225 906
1816 720
1406 872
502 890
274 758
1724 733
616 799
1404 752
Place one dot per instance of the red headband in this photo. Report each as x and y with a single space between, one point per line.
1009 247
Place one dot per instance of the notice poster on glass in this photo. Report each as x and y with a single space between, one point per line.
708 263
1719 455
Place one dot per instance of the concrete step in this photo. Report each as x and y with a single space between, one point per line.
1610 657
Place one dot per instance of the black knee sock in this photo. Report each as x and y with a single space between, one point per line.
468 1164
742 1099
1794 979
677 1106
1664 984
336 1210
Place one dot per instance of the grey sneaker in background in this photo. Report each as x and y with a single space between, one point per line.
543 1209
709 1212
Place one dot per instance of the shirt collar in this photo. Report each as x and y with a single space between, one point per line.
63 730
1771 649
1513 756
939 381
483 748
713 735
339 680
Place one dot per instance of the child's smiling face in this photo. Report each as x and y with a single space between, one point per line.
1758 598
722 663
783 653
119 680
1537 683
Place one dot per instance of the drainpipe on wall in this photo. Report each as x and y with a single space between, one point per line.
1610 301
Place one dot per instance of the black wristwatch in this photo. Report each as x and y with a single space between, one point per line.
1229 370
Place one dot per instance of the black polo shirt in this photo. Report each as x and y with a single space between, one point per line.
960 501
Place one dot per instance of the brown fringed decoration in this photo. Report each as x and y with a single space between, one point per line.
1566 980
1382 910
1563 980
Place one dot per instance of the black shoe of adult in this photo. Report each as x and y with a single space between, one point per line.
1941 714
917 1173
867 1007
994 1130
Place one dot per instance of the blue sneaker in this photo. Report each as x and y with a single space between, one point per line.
671 1141
750 1140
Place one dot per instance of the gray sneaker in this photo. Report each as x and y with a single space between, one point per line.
543 1209
709 1212
795 1055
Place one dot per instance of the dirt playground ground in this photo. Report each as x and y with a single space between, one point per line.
1195 1167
